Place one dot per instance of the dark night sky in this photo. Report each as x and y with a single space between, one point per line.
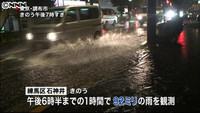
107 4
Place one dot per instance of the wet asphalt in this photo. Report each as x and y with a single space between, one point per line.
114 65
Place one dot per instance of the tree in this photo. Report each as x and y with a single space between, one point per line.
121 4
130 4
178 3
139 3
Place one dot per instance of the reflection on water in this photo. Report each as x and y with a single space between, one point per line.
182 42
192 37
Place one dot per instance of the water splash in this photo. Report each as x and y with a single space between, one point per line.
83 51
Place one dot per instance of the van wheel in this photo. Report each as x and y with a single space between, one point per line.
97 35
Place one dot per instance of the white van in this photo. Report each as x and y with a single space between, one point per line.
109 17
77 22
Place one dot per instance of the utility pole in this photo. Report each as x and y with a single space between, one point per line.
129 8
151 27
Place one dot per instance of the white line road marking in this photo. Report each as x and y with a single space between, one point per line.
10 57
13 52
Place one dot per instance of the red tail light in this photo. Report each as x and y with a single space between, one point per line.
103 31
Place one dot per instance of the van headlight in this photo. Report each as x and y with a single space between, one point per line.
139 17
29 36
52 36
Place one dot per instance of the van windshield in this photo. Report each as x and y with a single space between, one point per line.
56 17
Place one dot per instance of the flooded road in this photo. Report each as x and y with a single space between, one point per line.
70 64
114 65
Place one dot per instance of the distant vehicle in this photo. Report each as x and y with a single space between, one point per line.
193 12
124 15
109 17
142 16
192 15
198 17
78 22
